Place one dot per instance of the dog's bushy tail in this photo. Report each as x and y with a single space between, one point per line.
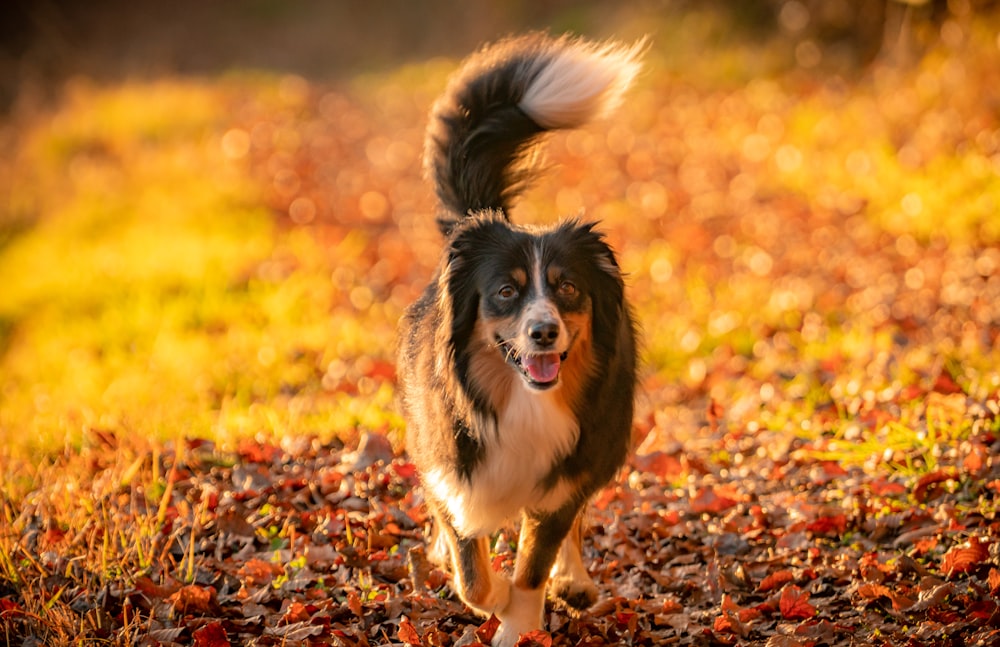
504 97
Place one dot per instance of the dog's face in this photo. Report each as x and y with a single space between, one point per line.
530 303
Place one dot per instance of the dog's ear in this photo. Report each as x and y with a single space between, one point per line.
469 244
607 291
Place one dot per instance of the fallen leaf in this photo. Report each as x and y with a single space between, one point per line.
929 598
828 526
775 581
193 599
782 641
536 638
925 486
707 499
408 633
794 603
965 557
488 629
994 581
211 635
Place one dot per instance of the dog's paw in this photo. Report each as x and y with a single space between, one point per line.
521 615
575 595
488 597
507 635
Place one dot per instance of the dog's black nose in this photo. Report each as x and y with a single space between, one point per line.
544 333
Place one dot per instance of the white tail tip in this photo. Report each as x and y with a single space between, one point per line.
581 82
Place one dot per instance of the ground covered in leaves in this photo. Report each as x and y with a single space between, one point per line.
812 254
318 544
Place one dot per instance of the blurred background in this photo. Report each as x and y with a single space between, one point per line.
212 214
44 43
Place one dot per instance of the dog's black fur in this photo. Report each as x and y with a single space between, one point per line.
518 363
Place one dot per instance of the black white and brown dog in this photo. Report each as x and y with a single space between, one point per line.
518 363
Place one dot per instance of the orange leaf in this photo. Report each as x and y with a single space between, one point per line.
708 500
671 606
994 581
775 580
296 612
873 591
193 599
407 632
835 525
354 604
794 603
966 557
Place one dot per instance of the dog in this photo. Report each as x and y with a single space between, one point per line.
517 364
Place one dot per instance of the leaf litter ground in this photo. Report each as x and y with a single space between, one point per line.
817 434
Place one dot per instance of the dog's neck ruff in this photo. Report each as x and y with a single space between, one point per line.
533 431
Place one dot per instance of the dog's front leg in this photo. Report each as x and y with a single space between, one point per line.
542 535
569 580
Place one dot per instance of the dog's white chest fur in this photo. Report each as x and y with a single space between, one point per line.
532 431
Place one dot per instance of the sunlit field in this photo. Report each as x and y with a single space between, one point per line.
200 280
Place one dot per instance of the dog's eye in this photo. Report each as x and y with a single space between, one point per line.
507 292
567 289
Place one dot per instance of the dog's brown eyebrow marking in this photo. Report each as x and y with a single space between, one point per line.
553 274
520 276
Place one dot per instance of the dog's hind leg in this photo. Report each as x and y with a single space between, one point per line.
570 583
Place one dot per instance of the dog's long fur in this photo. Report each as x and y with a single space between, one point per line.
517 365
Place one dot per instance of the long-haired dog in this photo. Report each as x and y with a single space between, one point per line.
518 362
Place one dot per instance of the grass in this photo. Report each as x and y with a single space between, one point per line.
149 299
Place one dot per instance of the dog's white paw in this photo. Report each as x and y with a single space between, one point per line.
522 614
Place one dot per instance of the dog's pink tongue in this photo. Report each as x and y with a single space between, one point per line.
542 368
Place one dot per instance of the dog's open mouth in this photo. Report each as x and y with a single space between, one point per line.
540 370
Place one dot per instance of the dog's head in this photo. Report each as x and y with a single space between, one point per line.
535 304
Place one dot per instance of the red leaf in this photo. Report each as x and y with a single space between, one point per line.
946 384
882 487
794 603
733 618
829 526
211 635
488 629
966 557
775 580
715 413
405 471
408 633
536 638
